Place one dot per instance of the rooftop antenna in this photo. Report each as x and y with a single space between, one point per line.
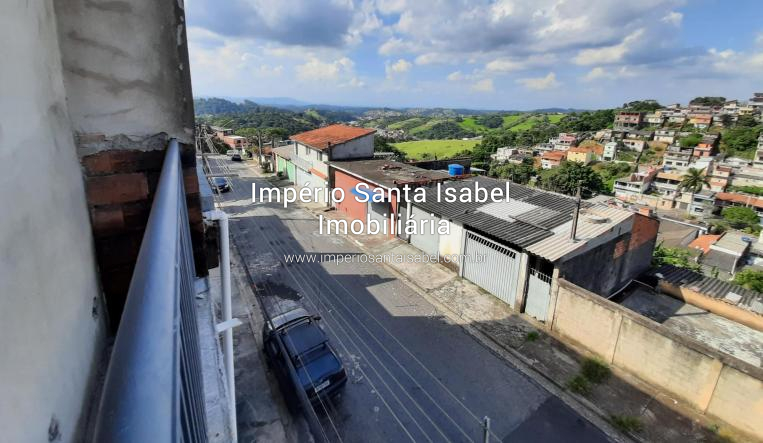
576 214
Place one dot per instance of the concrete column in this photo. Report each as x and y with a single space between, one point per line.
519 301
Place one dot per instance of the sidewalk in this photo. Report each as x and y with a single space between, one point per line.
524 343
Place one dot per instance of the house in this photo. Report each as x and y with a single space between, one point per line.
629 120
634 144
654 118
701 120
552 159
676 159
758 159
703 243
719 179
665 135
667 183
725 255
314 149
532 241
235 141
378 174
221 132
503 155
725 199
564 141
580 154
282 163
677 118
632 187
746 176
610 151
756 102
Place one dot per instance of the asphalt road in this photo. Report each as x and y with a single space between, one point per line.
413 374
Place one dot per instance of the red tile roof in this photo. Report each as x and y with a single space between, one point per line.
704 242
740 198
321 138
554 155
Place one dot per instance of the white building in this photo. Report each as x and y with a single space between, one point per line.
610 151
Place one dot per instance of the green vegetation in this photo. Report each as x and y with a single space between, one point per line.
448 129
521 173
750 279
434 148
567 177
674 256
708 101
642 105
532 336
754 190
611 171
579 385
740 141
595 370
382 144
741 218
690 141
694 180
626 423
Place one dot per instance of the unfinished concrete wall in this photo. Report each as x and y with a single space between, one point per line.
625 257
362 147
706 379
51 317
128 92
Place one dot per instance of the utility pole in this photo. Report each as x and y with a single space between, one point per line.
576 214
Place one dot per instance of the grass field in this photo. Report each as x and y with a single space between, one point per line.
439 148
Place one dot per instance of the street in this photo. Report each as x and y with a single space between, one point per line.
413 374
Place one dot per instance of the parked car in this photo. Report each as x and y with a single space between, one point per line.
319 369
230 152
236 157
219 184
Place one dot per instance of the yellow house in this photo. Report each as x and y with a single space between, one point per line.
580 154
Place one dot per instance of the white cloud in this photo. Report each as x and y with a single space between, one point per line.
399 67
317 70
609 54
455 76
599 73
759 39
484 85
540 83
673 18
431 58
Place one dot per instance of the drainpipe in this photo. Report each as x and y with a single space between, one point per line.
228 323
575 215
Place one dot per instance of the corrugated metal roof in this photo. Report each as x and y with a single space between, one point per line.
593 222
284 151
711 287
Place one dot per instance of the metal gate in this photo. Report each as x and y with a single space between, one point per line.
538 294
379 211
423 238
498 273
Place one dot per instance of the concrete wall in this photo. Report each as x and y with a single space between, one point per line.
51 317
128 91
354 209
452 243
717 384
362 147
625 256
714 305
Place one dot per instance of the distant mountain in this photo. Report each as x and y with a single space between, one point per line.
277 101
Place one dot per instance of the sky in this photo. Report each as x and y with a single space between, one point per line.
479 54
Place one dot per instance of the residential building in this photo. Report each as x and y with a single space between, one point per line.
667 183
665 136
725 199
531 237
552 159
725 255
757 161
313 150
746 176
235 141
702 202
629 120
701 120
564 141
580 154
756 102
379 174
632 187
503 155
610 151
543 147
676 159
719 179
221 132
634 144
654 119
677 119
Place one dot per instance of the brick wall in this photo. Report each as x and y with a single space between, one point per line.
120 185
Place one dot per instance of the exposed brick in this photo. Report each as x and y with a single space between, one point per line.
122 161
118 188
644 230
107 220
620 248
190 181
136 214
118 250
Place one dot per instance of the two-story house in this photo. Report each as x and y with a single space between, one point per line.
314 149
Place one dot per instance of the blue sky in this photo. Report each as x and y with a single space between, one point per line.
484 54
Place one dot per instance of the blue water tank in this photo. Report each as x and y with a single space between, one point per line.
455 169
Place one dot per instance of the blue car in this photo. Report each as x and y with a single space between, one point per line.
319 369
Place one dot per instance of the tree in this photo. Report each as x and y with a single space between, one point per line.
567 177
673 256
750 279
740 139
740 217
521 173
490 121
382 144
708 101
643 105
726 120
690 141
694 180
747 121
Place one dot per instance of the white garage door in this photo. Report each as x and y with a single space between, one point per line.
498 273
423 238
